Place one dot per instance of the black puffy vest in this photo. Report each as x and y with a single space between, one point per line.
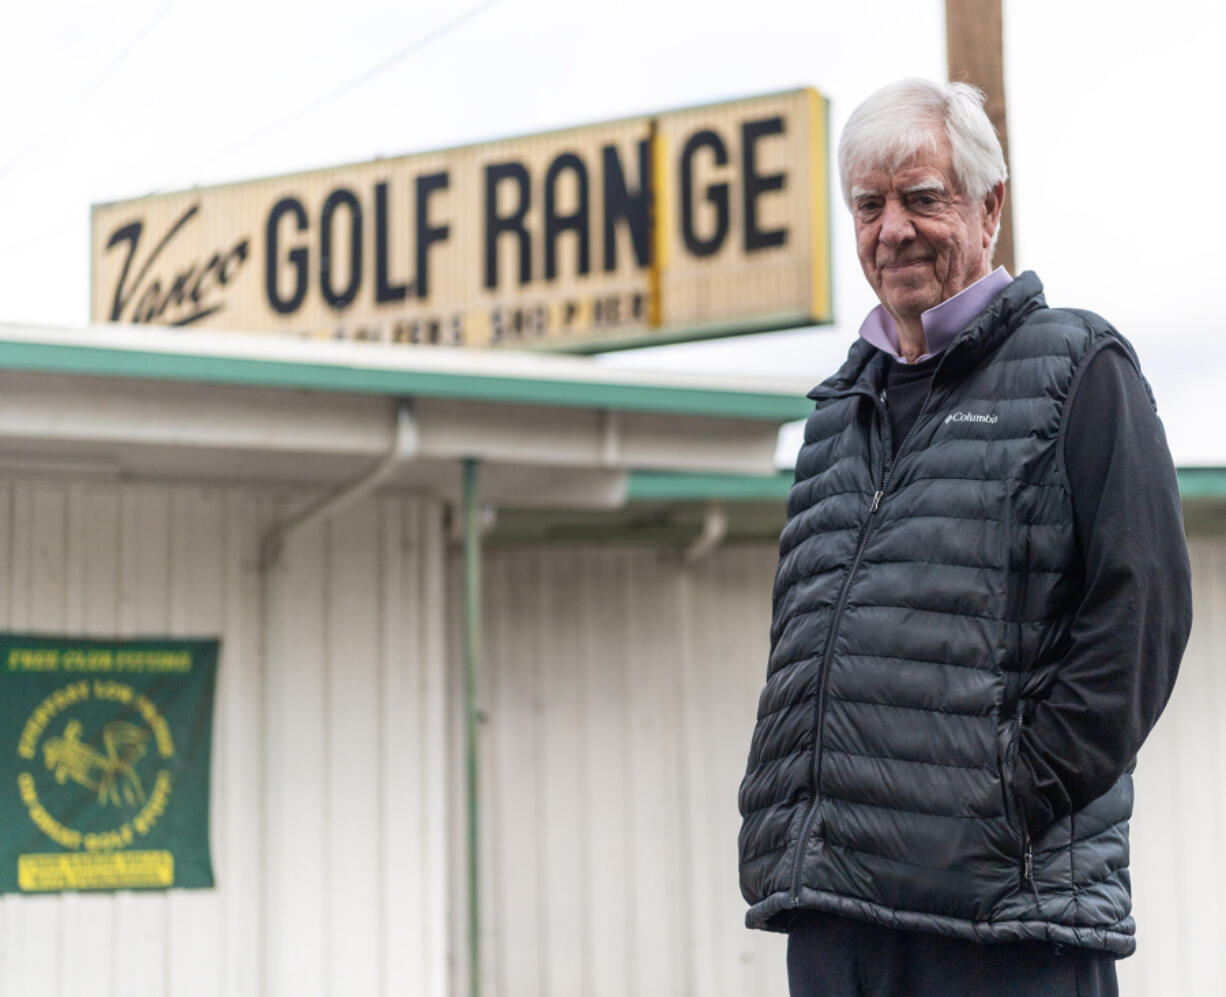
918 604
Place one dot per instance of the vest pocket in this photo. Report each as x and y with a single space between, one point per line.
1008 744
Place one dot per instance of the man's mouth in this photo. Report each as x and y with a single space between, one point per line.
903 264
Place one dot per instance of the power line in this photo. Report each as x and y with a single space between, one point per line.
88 91
344 88
357 81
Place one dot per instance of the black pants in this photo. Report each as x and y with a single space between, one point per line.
831 956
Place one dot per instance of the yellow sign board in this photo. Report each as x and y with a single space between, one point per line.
682 225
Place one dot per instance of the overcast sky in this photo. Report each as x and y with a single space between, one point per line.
1114 119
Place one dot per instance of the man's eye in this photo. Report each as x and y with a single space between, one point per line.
924 202
867 208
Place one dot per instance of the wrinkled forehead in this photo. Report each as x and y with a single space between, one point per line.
919 152
927 152
903 181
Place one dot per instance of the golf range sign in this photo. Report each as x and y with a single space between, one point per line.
679 225
104 763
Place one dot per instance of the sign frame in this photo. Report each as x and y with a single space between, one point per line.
735 196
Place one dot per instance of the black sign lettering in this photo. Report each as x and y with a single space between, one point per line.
496 224
297 257
232 261
573 221
620 204
210 272
187 287
131 235
385 289
341 197
180 291
146 309
716 194
427 233
757 183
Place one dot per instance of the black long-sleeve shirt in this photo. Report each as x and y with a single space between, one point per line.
1130 628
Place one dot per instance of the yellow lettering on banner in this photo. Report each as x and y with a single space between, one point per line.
155 806
95 871
161 730
33 659
57 702
113 692
80 659
153 661
51 827
103 841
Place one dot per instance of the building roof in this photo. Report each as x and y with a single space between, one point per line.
396 370
553 430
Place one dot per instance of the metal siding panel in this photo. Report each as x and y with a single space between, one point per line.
197 570
726 622
622 690
351 868
123 559
618 686
7 527
91 608
698 661
43 916
238 823
141 920
652 809
418 830
609 916
1178 872
676 658
401 941
512 858
457 915
412 749
564 748
11 908
297 789
438 835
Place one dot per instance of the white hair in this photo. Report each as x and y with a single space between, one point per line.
905 118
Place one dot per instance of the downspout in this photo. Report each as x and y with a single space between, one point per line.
714 530
404 447
472 666
272 544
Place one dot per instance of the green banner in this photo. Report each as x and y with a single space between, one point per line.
104 763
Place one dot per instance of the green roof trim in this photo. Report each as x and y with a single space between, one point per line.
647 486
681 400
1202 482
681 486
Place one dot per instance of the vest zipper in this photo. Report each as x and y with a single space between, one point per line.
887 472
1027 843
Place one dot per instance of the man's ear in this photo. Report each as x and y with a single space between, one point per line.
993 202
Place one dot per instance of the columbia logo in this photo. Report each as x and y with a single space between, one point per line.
970 417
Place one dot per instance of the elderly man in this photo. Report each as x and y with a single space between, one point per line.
982 598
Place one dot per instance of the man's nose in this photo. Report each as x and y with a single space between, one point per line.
896 227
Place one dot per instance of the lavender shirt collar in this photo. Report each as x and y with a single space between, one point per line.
943 322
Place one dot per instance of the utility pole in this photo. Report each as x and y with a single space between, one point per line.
973 42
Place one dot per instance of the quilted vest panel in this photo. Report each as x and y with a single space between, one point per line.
917 605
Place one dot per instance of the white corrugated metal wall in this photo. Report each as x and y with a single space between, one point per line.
620 691
621 687
328 806
1179 825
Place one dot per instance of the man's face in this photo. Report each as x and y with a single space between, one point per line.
919 239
